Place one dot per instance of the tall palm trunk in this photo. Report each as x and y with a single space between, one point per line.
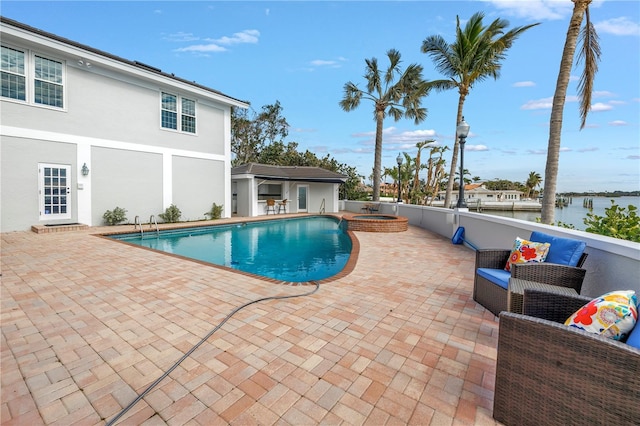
377 161
456 148
557 110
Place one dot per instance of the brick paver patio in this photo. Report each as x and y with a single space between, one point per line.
88 324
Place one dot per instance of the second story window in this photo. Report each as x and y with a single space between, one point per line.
176 109
14 83
32 78
48 82
188 116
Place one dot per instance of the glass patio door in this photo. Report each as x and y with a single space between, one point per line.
303 190
54 191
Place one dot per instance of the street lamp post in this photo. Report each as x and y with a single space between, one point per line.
399 161
463 131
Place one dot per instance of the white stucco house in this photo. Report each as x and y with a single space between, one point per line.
306 189
477 192
83 131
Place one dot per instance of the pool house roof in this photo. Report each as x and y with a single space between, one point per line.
289 173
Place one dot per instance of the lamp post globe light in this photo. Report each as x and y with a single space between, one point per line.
399 161
463 131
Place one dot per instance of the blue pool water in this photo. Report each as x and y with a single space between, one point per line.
296 250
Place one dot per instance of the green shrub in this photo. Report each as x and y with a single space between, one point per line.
215 212
171 214
617 223
115 216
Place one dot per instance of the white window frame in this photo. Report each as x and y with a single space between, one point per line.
44 216
180 113
30 78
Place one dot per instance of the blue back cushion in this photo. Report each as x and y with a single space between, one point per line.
634 337
564 251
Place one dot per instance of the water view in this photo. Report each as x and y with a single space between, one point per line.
575 212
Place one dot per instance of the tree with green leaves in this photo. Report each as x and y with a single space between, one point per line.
534 180
418 165
392 92
251 132
590 54
476 55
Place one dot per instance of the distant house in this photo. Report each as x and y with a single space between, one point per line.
83 131
477 192
306 189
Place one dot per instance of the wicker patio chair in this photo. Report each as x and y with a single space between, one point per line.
551 374
491 291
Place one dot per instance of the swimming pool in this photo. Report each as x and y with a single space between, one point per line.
296 249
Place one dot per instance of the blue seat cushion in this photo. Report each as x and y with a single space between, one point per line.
497 276
563 251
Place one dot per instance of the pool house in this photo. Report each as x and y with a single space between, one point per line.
302 189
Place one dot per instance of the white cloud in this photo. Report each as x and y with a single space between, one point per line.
534 9
215 45
602 94
599 106
524 84
181 37
475 148
394 139
203 48
617 123
538 10
622 26
243 37
588 149
545 103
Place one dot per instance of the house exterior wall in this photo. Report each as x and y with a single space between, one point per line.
197 184
19 159
319 192
127 179
111 121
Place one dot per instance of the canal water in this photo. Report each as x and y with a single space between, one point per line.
574 213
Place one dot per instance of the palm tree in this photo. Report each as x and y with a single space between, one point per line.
476 55
401 98
590 53
419 166
533 181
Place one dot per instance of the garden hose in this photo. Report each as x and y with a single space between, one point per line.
197 345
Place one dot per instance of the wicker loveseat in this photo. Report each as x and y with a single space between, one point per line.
551 374
562 268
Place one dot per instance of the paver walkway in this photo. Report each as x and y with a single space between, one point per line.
88 323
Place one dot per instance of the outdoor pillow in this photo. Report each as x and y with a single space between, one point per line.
525 251
611 315
564 251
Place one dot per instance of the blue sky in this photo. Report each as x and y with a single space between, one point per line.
302 53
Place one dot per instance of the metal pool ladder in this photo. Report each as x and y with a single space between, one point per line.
152 221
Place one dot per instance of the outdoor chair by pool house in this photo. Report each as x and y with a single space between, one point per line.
562 267
271 206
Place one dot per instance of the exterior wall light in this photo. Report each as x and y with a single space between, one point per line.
84 170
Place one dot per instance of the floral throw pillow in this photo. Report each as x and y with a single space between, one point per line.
525 251
611 315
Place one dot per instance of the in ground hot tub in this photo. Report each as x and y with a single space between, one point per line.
376 222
